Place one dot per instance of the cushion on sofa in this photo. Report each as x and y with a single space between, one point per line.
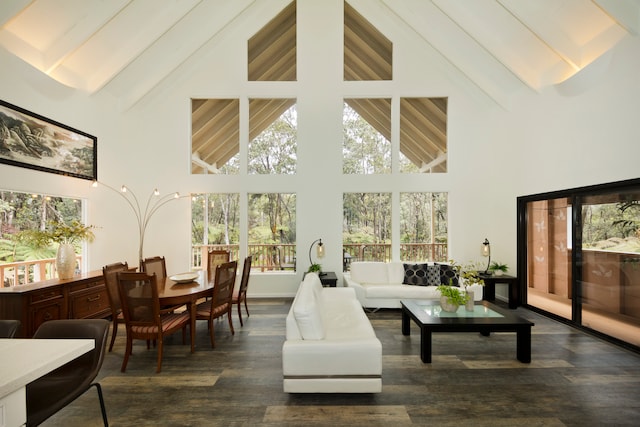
421 274
448 274
371 272
307 311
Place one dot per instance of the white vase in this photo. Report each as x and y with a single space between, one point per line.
498 272
66 261
470 303
447 306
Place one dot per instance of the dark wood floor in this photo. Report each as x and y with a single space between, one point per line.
573 380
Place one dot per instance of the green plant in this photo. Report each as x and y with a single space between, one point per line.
468 273
57 232
498 266
315 268
453 294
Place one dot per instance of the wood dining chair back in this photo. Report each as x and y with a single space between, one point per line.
142 314
48 394
9 328
216 257
111 284
240 292
155 265
220 302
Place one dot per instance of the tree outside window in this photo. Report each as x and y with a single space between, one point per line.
423 226
366 230
272 231
273 145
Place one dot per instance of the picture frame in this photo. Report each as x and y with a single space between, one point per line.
32 141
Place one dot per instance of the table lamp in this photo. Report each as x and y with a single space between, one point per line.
485 250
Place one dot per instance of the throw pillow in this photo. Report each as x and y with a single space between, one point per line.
448 274
416 274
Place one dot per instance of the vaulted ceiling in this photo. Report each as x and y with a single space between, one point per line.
129 47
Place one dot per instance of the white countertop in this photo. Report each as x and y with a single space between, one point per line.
24 360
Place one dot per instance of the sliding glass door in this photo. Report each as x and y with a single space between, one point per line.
579 254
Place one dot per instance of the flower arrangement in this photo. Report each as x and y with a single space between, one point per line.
57 232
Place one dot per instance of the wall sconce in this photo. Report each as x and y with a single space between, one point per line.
150 208
485 250
319 250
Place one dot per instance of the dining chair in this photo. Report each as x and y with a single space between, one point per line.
220 302
216 257
8 328
143 317
111 284
55 390
240 293
157 265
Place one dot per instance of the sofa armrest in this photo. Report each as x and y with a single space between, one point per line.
356 286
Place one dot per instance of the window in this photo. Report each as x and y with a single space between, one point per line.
272 231
423 135
367 136
423 227
215 130
366 230
215 224
20 263
273 133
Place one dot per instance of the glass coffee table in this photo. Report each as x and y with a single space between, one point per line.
485 318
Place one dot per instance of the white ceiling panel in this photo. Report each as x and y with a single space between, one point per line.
132 46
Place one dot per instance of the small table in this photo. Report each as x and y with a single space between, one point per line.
329 279
485 318
489 291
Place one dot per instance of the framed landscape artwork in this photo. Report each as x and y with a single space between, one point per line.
32 141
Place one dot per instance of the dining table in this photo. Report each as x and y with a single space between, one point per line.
172 293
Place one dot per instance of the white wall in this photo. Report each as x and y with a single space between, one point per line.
544 141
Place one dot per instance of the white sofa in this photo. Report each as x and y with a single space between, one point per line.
330 345
379 285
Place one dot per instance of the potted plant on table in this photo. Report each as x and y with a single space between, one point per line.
65 235
451 297
497 268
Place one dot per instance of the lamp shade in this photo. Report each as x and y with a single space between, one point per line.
320 250
485 249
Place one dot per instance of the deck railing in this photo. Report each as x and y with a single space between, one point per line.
266 257
25 272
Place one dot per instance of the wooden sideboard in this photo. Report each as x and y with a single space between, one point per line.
83 297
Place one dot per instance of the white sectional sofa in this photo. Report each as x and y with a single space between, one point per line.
330 345
380 284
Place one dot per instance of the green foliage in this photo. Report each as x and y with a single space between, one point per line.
273 151
454 294
365 150
57 232
495 265
315 268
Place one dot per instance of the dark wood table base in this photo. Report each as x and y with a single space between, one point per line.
521 327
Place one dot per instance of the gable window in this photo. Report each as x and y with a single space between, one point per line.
215 140
273 133
367 136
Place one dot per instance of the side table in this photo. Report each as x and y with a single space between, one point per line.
489 291
328 279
